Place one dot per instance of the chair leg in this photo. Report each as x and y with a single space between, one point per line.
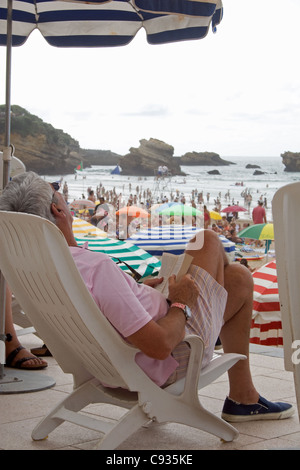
75 402
202 419
131 422
84 395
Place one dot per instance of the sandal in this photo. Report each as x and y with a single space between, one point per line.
42 351
20 363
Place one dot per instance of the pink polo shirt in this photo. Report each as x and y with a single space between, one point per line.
127 305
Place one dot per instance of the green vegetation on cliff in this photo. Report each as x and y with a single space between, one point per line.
25 123
47 150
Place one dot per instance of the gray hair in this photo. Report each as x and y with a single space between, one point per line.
29 193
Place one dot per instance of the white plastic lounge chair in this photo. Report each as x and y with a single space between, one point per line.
286 218
21 319
37 264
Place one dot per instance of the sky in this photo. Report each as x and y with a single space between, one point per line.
236 92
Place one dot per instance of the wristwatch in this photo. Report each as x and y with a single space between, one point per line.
185 308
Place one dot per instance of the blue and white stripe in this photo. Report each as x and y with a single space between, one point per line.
109 23
172 239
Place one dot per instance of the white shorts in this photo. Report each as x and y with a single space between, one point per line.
206 321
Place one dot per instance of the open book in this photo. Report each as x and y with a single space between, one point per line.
172 264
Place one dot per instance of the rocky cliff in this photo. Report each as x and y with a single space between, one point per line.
291 160
46 150
148 157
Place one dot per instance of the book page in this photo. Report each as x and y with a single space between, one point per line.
172 264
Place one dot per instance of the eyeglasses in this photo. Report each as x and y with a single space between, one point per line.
55 185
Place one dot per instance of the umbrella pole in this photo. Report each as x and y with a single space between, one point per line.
6 172
13 381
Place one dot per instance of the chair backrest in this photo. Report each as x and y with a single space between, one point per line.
286 218
37 264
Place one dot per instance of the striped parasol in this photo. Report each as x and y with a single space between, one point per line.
127 255
105 23
172 239
82 228
266 326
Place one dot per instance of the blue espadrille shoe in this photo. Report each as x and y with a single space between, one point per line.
263 409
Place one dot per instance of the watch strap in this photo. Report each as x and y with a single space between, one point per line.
182 307
178 305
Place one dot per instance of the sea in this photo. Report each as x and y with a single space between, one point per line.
229 187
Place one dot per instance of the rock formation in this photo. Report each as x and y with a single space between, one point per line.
250 165
148 157
291 160
203 158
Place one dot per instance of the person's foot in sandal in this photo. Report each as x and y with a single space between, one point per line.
21 358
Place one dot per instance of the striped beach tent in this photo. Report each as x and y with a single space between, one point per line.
127 255
172 239
103 23
266 326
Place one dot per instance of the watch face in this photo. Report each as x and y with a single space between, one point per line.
188 312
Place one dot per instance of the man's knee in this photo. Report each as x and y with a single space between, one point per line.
207 239
238 277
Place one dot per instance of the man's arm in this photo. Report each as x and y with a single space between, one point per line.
158 339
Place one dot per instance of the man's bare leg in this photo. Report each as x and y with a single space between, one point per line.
235 332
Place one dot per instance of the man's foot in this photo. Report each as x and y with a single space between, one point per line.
20 358
237 412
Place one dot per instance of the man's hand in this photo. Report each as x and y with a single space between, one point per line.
184 291
153 282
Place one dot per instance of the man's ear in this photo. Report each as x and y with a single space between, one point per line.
55 211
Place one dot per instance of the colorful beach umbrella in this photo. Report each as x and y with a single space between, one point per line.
82 204
155 207
82 228
258 232
130 258
172 239
166 238
180 210
133 211
266 325
215 215
234 208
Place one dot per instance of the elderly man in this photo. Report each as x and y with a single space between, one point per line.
213 299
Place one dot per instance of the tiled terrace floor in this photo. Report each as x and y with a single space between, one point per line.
21 412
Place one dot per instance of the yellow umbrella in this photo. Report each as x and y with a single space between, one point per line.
215 215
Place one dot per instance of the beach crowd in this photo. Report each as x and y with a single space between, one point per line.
122 216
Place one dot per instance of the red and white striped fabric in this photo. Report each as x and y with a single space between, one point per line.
266 327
